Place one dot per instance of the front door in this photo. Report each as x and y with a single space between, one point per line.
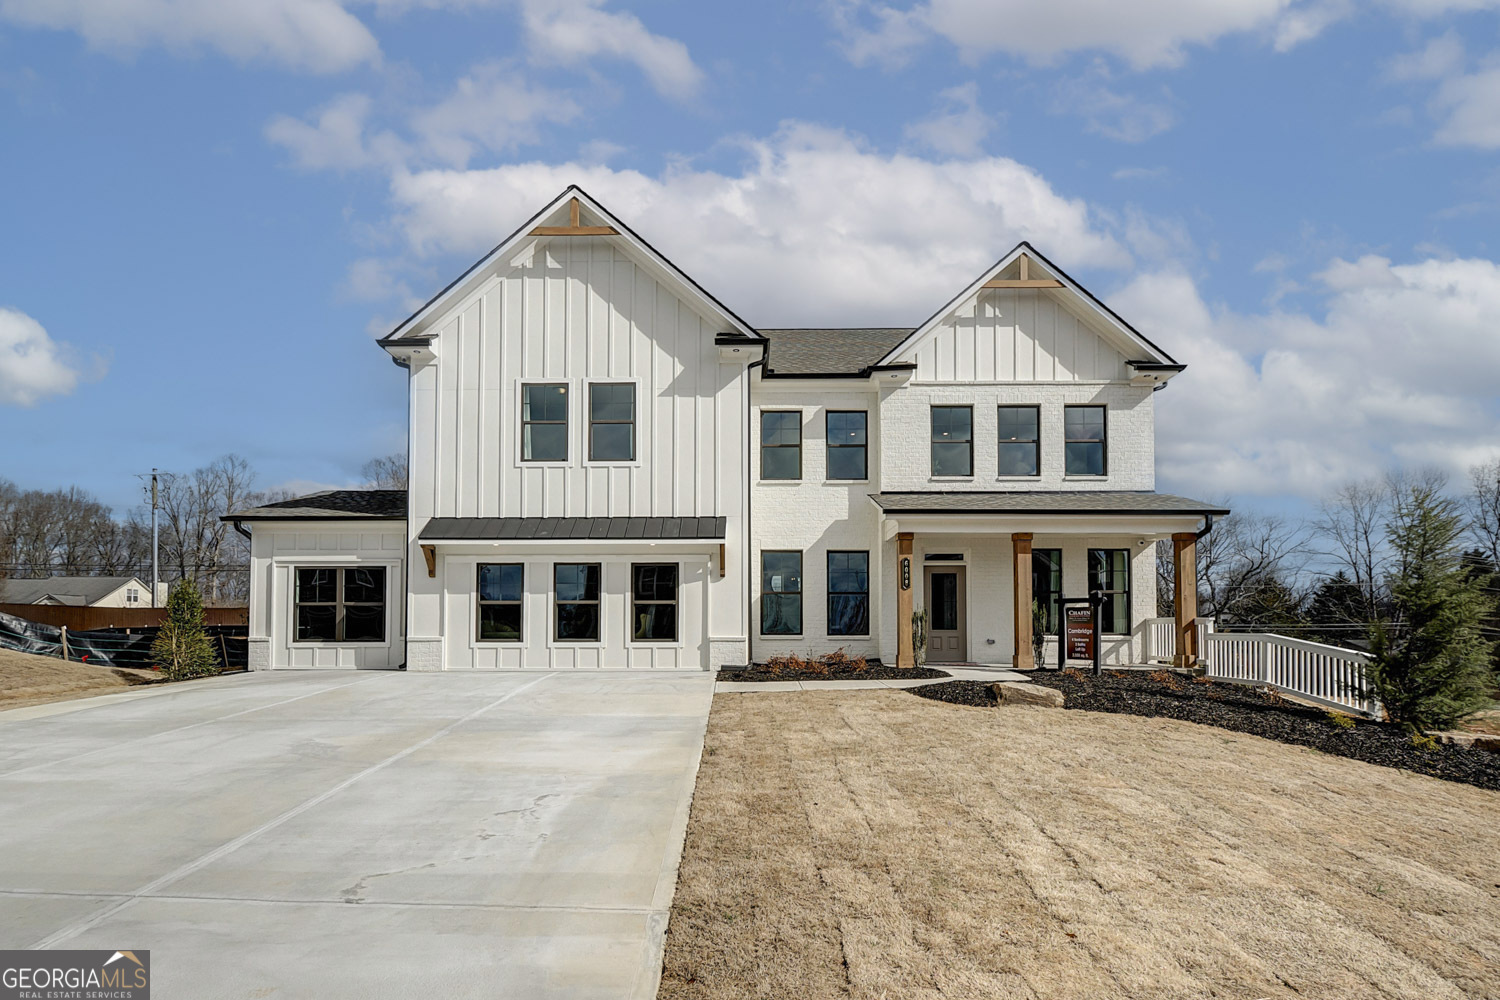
947 625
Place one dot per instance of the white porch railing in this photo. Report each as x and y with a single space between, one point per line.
1326 675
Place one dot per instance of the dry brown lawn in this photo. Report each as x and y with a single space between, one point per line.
28 679
873 844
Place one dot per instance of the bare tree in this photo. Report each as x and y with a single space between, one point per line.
1484 508
1246 565
196 544
1351 527
386 473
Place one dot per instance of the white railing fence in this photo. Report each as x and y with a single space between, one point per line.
1326 675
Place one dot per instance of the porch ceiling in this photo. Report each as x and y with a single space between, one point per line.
1042 502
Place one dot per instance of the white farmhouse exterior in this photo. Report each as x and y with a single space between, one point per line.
610 469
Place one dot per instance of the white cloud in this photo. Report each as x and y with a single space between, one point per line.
573 31
1107 112
1141 173
1399 370
316 35
1469 106
958 127
32 364
334 139
1442 56
816 227
491 109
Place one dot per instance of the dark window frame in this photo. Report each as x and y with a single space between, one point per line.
675 602
863 448
828 565
933 442
763 447
1108 584
527 422
1102 442
798 593
1036 442
1052 607
597 602
634 413
339 604
480 603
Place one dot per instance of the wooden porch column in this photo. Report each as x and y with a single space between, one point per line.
1021 544
1185 597
905 654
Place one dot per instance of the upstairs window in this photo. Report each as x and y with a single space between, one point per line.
953 440
337 604
1084 440
500 595
544 423
612 422
847 454
1020 442
781 444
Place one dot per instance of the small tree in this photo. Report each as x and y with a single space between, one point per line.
182 649
919 636
1038 632
1431 662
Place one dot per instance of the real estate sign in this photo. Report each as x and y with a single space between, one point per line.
1078 631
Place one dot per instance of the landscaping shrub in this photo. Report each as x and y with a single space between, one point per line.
182 648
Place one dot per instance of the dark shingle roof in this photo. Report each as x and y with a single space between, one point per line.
330 505
525 529
829 351
1041 502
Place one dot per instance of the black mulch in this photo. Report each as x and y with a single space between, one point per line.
1244 709
873 670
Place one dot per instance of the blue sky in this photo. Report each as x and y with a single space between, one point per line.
211 209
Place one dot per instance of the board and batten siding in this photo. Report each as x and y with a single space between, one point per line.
1016 334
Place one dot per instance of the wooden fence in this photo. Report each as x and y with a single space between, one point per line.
78 619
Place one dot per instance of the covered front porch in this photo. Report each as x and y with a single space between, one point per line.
975 563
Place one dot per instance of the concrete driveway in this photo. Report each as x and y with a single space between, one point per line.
321 834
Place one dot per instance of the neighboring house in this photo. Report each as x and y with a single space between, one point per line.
609 468
80 591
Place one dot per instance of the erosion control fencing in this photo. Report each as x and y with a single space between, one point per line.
118 647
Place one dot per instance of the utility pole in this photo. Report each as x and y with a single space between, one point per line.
155 568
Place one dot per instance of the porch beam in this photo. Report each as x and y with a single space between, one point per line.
1185 597
429 554
1023 283
573 228
906 656
1022 659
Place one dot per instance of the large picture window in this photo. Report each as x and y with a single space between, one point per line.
1020 443
1046 585
781 593
612 422
952 440
575 593
1084 440
340 604
848 593
781 444
653 596
1109 569
847 444
544 423
500 589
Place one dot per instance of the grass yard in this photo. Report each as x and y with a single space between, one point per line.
28 679
874 844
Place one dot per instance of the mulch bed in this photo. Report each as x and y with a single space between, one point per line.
872 670
1243 709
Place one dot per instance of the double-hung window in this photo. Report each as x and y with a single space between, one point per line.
544 423
953 440
575 595
1109 570
653 596
781 593
847 444
500 597
1046 585
1084 440
848 593
612 422
340 604
781 444
1020 443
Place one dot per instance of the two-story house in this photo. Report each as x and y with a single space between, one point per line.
610 469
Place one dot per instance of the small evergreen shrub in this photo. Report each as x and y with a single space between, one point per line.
182 649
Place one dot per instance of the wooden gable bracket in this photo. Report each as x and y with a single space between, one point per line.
573 228
429 552
1025 280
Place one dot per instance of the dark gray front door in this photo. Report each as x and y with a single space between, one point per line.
947 625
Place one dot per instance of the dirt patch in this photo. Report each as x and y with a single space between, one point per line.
868 844
29 679
1245 709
